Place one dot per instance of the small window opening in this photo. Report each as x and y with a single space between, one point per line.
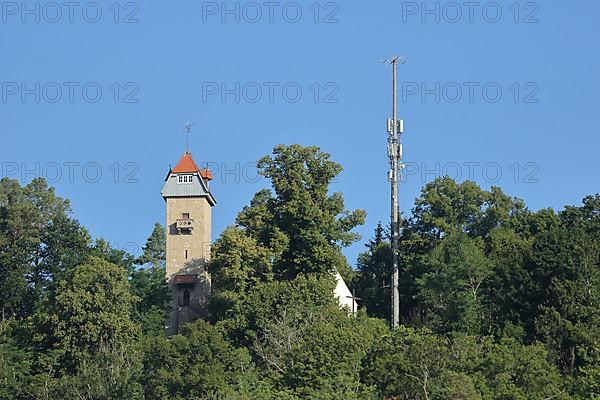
184 178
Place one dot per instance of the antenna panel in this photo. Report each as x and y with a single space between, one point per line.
390 125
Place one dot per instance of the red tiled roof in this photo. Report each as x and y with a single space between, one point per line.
206 174
188 165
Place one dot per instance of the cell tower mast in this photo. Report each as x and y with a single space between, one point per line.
395 128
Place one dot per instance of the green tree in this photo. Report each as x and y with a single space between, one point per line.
149 283
93 308
446 207
113 373
240 263
566 270
102 248
416 364
450 289
372 280
303 341
16 372
521 372
298 228
38 243
199 363
508 298
315 223
154 251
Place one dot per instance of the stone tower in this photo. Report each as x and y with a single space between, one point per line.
189 202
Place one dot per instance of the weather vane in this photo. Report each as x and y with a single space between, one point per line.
188 130
396 60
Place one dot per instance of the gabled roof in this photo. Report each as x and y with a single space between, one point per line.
188 165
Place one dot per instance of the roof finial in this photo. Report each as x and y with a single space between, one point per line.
188 130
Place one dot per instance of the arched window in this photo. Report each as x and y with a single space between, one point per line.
186 298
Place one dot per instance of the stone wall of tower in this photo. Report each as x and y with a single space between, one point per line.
187 254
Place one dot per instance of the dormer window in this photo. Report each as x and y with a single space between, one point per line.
184 178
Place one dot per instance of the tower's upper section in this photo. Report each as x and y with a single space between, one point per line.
187 180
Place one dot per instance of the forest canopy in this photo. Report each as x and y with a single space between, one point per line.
499 302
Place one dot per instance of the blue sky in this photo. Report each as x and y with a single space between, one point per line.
501 92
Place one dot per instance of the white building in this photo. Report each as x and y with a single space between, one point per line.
344 295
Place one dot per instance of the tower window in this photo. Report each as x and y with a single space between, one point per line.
185 215
184 178
186 254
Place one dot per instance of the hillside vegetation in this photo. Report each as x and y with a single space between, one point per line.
498 302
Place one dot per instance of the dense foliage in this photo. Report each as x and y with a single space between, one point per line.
498 302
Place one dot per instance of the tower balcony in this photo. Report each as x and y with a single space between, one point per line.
184 223
186 279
